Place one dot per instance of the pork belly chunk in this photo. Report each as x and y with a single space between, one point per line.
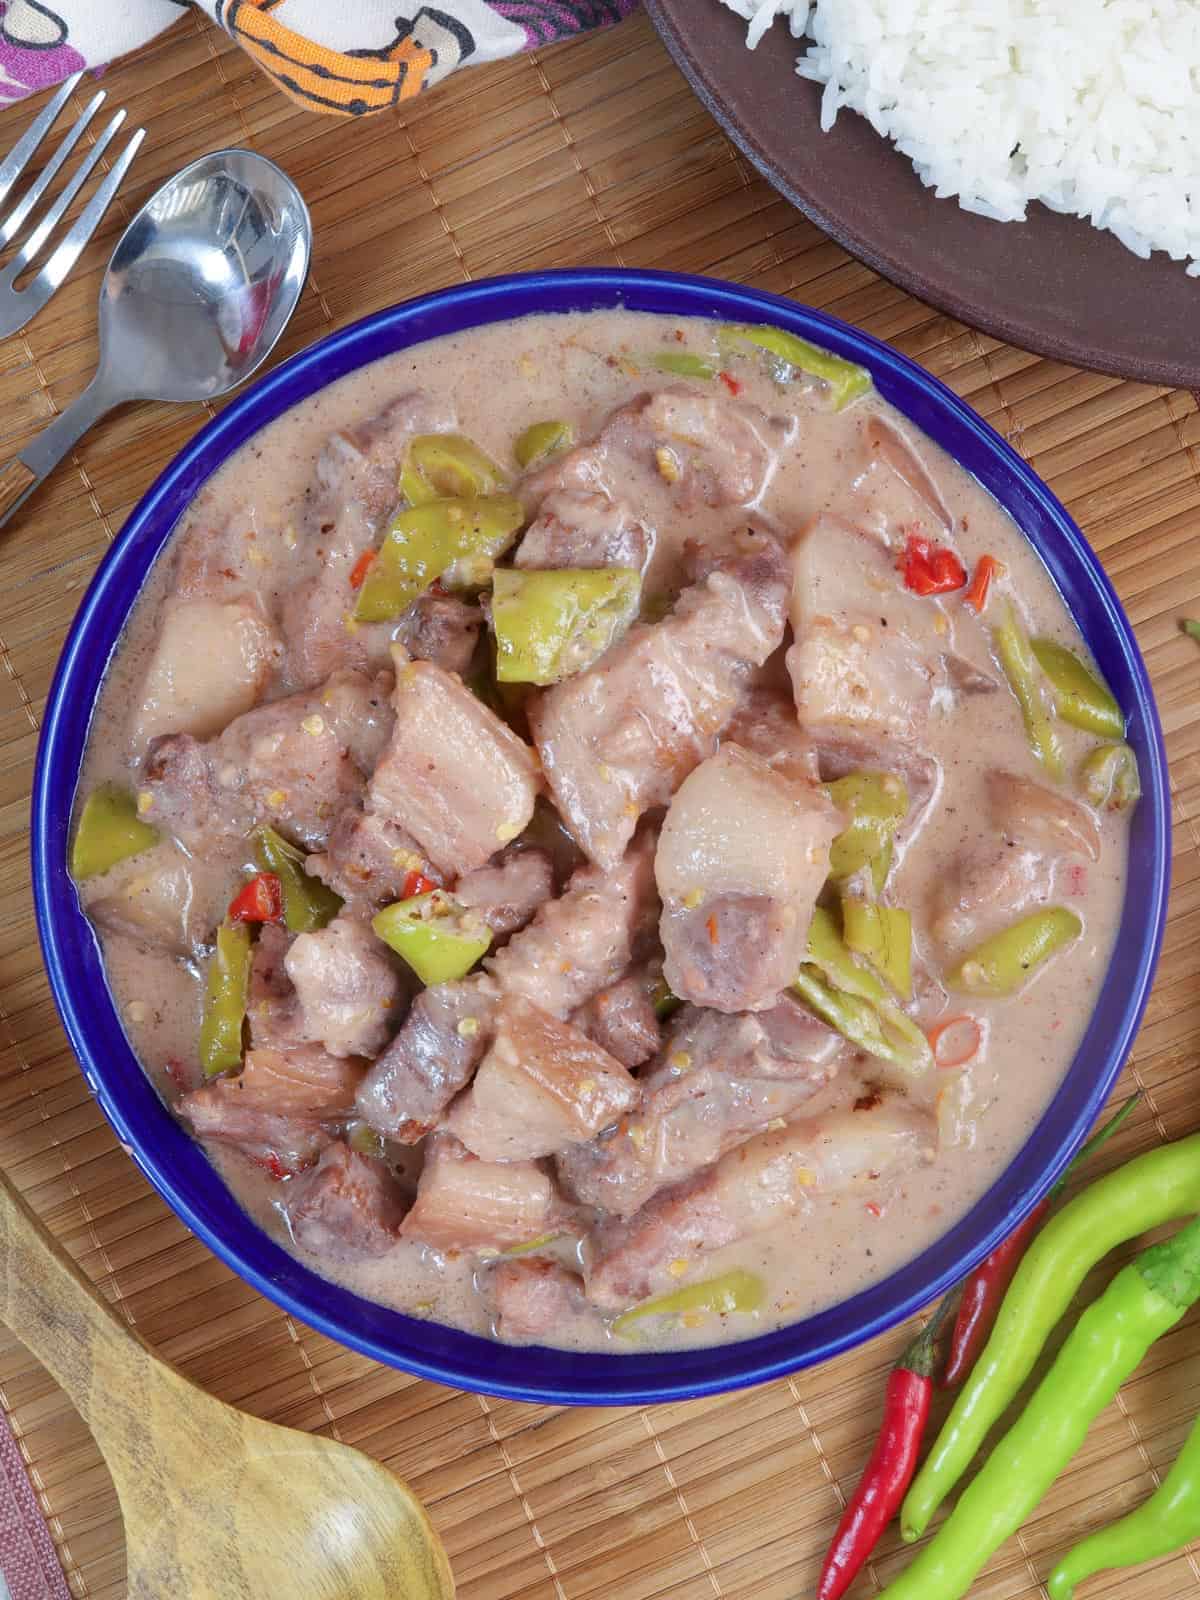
575 529
433 1056
442 629
347 988
303 1080
156 899
768 1180
622 1020
766 725
211 662
1035 832
508 890
741 858
454 776
348 1208
531 1297
620 738
466 1204
542 1085
282 1142
368 859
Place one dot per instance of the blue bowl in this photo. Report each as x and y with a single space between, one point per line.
177 1166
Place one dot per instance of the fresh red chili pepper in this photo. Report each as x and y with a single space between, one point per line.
931 568
988 1284
893 1462
730 382
361 567
981 581
417 883
260 900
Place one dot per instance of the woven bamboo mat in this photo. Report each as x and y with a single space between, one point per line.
591 153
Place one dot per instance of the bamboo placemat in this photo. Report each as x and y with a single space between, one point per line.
591 153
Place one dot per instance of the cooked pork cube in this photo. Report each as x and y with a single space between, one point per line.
754 1187
348 1208
281 1142
441 629
542 1085
302 1080
586 939
741 858
622 1020
508 891
466 1204
581 530
212 660
620 738
369 860
362 463
531 1297
765 723
155 898
454 776
347 987
432 1057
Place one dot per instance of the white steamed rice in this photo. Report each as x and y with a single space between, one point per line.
1090 106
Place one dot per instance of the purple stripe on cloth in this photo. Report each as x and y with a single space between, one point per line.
28 1560
545 21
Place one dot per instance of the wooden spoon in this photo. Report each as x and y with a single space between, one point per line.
217 1504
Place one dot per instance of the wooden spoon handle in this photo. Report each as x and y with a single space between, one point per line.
53 1309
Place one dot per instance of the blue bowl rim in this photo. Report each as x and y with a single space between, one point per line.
175 1164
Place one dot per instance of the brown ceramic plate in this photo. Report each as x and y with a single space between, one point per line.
1051 284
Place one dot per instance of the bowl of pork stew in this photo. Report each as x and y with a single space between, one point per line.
600 837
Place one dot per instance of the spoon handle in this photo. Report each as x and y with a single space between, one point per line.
21 476
66 1322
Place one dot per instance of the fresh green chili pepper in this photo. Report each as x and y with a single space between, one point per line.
1001 964
846 994
542 440
308 903
1169 1519
549 624
1104 1348
109 831
846 380
683 363
438 466
884 935
439 939
1084 700
1024 676
1158 1187
457 541
738 1290
875 804
225 1000
1108 777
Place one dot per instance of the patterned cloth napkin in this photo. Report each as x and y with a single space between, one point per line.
29 1568
342 56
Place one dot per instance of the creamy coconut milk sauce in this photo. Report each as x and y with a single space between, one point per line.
749 1137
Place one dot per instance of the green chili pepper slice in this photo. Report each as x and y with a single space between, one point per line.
1109 779
541 440
1169 1519
875 803
438 466
308 903
225 997
847 995
883 934
1160 1186
1000 965
846 380
457 541
549 624
1103 1349
1084 700
439 939
738 1290
1015 654
683 363
109 830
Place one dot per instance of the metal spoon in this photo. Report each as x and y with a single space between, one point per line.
200 286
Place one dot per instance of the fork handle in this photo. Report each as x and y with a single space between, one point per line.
21 476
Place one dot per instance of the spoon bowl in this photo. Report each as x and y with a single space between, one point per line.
200 286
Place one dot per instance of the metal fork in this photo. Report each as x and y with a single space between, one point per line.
17 306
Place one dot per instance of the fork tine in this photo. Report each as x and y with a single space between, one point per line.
11 223
67 252
14 163
54 216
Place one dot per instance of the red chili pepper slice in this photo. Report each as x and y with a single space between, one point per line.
981 581
260 900
417 883
361 567
931 568
731 383
893 1462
